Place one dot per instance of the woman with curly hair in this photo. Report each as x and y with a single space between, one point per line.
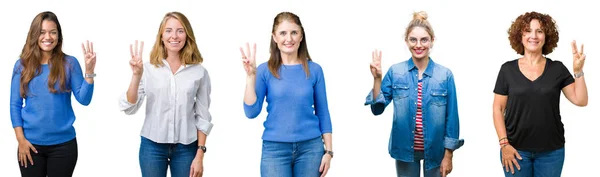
527 94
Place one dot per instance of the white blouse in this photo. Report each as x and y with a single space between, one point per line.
177 104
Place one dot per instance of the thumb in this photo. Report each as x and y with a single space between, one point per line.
32 148
518 156
321 167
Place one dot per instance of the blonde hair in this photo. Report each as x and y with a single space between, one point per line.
188 55
419 20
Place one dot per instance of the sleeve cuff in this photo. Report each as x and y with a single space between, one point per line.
204 126
452 143
370 100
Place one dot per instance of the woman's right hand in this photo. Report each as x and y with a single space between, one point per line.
508 158
376 64
249 60
136 62
25 153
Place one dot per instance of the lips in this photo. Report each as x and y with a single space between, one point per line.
419 51
47 43
288 45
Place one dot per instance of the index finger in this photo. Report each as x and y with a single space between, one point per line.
581 48
574 47
253 50
141 48
83 48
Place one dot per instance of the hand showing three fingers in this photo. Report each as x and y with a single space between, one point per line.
376 64
249 59
578 58
90 57
136 62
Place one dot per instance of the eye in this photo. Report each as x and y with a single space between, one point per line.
424 40
412 40
54 32
181 31
282 33
168 30
294 32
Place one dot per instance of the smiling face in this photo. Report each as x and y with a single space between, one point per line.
419 42
48 38
174 36
533 37
288 36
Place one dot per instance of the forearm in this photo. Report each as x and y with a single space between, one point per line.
376 87
327 140
132 92
201 142
250 93
499 124
19 133
581 91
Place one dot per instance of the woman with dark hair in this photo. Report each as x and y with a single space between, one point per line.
526 109
44 78
298 122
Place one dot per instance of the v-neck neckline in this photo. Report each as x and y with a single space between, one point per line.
539 77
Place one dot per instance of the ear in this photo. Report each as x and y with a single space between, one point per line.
273 37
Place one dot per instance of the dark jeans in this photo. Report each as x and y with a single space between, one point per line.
52 161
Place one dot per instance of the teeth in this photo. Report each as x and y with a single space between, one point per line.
174 42
47 43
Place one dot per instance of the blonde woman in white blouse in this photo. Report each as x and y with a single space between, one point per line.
177 88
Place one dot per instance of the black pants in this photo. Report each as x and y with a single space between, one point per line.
54 161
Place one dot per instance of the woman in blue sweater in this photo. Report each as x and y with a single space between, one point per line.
298 123
44 77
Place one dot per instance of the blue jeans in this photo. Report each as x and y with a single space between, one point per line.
156 157
300 159
413 169
538 164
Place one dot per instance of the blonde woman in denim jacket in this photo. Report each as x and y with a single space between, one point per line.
425 125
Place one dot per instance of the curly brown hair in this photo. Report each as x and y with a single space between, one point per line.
515 32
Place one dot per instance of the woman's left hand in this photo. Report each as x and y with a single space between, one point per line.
197 167
90 57
325 164
446 166
578 57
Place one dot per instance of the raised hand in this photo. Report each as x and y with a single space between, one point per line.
376 64
249 59
136 62
578 57
90 57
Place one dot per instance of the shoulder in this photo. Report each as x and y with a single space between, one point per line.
554 62
18 66
71 59
401 67
313 66
510 63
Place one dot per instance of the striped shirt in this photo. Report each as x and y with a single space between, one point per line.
419 144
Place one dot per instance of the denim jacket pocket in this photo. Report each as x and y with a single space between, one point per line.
400 90
439 97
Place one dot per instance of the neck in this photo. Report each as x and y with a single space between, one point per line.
173 57
421 63
46 57
290 59
533 58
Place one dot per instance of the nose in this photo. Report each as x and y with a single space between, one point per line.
288 37
47 35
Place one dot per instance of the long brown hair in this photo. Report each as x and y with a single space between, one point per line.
31 56
189 54
275 60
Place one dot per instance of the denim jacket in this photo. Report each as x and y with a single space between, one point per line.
440 111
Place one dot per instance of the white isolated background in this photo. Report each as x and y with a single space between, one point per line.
471 41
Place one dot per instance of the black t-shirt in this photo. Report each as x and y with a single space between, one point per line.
532 115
